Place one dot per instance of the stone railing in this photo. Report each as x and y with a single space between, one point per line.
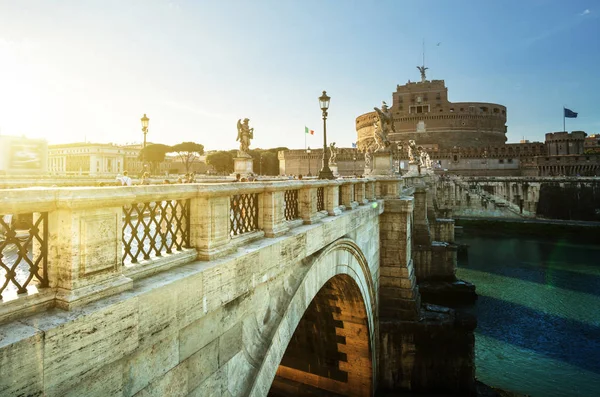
66 247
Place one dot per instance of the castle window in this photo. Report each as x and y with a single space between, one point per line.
471 108
501 161
504 112
438 97
496 110
510 161
419 99
462 109
451 110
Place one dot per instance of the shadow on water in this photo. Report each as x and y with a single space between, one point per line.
555 337
558 263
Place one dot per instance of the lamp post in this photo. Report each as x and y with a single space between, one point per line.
261 164
325 172
308 153
354 164
145 121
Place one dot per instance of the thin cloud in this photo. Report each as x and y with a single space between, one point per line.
557 29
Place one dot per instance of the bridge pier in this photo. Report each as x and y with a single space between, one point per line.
421 348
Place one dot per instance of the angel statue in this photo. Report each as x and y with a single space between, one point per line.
332 153
383 126
245 133
414 152
422 69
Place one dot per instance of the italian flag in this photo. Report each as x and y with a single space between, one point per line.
308 131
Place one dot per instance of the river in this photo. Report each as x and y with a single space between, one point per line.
538 313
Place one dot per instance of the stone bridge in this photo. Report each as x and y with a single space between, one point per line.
567 198
234 289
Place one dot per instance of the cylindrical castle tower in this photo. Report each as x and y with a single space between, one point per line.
423 113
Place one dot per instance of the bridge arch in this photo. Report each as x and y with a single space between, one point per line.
337 294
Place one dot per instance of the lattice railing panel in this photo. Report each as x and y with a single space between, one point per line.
320 198
155 228
243 213
291 205
23 251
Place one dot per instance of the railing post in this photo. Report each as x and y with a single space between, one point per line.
84 248
332 197
210 226
272 221
348 195
359 192
308 204
370 190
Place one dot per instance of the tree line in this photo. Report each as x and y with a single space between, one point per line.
265 160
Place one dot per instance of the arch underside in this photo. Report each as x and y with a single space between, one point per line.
324 342
329 352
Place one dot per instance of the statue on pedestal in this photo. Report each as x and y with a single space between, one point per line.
383 126
333 151
245 134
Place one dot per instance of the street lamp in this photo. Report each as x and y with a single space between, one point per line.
325 172
145 121
354 164
261 164
308 153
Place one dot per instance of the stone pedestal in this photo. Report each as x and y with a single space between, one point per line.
383 163
243 165
414 169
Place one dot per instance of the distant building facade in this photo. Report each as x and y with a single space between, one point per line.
93 158
109 159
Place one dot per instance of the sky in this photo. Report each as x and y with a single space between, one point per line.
88 70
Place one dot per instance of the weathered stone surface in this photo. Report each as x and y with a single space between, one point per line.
150 363
230 343
81 342
107 381
173 383
202 364
21 360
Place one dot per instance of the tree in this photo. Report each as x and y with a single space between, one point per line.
188 152
154 153
221 160
270 161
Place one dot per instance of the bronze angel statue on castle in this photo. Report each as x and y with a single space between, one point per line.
245 133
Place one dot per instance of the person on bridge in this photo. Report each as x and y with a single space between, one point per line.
125 179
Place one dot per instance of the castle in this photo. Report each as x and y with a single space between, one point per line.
465 138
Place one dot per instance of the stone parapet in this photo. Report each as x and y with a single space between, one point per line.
101 239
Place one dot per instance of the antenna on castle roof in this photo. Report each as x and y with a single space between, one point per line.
423 51
422 68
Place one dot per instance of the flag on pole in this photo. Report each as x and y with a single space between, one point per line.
570 114
308 131
354 144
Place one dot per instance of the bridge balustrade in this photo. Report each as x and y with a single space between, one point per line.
88 243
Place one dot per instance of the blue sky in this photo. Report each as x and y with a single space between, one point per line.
71 70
